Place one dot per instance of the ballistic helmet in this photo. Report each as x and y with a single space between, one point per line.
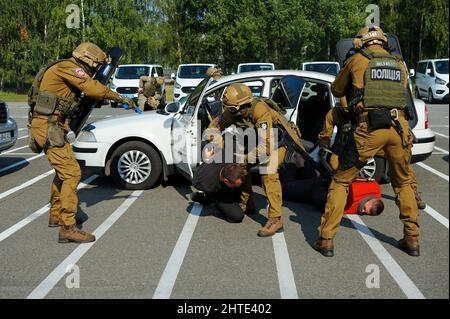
369 35
214 73
236 95
90 54
159 80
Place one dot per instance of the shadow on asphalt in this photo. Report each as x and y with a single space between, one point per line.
6 161
309 219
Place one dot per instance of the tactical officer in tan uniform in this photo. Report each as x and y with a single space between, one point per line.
53 99
241 107
339 116
375 82
150 94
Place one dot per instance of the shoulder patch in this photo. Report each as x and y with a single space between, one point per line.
263 125
80 73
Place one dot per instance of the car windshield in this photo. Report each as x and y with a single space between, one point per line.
132 72
441 67
255 67
329 68
193 71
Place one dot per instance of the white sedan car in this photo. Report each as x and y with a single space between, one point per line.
137 150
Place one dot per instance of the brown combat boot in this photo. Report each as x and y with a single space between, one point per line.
53 221
410 244
324 246
273 225
420 202
69 233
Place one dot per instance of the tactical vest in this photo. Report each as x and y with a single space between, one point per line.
46 103
383 82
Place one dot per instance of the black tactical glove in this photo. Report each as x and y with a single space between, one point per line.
324 142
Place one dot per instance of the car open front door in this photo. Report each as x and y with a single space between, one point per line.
345 49
186 134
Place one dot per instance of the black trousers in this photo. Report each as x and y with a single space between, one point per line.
304 186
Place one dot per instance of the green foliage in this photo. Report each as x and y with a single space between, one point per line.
170 32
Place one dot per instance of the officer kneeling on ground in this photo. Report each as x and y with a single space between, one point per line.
54 98
375 83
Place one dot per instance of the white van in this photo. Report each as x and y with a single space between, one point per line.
432 80
249 67
188 77
328 67
126 79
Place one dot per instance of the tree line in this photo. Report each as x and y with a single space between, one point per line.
225 32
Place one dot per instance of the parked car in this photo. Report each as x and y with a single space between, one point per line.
8 128
432 80
137 149
126 79
328 67
249 67
188 77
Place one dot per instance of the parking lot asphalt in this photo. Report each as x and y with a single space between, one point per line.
157 244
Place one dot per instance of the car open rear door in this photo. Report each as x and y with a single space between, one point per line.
87 104
345 49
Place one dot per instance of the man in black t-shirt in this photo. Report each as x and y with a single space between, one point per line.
220 184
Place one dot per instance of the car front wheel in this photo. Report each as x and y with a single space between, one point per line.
430 96
135 165
416 94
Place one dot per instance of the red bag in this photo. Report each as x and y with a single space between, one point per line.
358 190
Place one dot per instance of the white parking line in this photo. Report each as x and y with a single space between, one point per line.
13 150
288 289
22 137
26 184
394 269
439 134
439 126
441 150
52 279
440 218
14 228
21 162
23 129
170 274
432 170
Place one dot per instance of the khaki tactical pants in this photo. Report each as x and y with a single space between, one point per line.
63 198
398 154
270 183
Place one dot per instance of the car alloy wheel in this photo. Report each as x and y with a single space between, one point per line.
134 167
368 171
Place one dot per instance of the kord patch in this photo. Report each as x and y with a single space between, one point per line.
81 73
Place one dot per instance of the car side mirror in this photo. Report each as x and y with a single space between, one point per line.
172 107
412 73
172 76
429 72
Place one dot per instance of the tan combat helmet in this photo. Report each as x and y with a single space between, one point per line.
236 95
214 73
159 80
369 35
90 54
